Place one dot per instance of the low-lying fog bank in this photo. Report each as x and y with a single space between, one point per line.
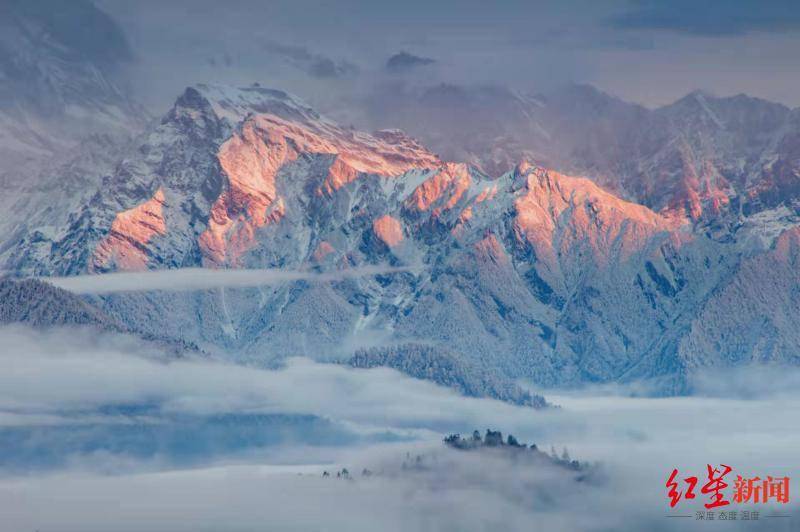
96 435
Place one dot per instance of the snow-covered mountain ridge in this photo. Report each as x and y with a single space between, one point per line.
702 156
532 273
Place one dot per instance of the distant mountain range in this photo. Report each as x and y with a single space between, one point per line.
674 248
700 156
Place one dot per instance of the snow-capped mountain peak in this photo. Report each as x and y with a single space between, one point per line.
534 272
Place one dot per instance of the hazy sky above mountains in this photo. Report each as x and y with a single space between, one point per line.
644 51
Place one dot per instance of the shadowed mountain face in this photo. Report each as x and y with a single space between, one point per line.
64 111
62 77
531 272
43 42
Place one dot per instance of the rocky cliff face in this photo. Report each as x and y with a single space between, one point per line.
532 272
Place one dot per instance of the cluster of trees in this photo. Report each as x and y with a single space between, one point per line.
509 446
343 473
494 439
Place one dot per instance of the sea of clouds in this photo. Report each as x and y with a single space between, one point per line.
95 432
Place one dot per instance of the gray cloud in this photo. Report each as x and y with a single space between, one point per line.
202 279
715 18
315 65
404 61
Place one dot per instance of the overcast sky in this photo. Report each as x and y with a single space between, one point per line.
644 51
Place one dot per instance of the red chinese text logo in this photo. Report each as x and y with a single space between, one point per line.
745 490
